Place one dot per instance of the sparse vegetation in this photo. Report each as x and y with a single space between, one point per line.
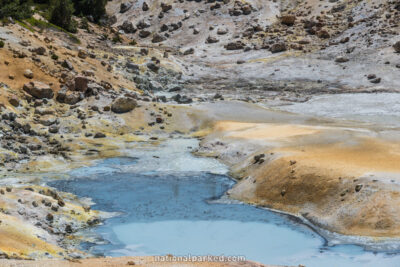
117 38
26 26
1 44
46 25
84 24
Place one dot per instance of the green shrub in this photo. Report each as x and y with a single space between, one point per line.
117 38
1 44
17 9
54 57
94 8
61 14
84 24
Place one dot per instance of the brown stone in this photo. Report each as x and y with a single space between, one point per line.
123 105
38 90
288 20
28 74
81 83
14 101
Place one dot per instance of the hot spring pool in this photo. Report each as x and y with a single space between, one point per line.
170 205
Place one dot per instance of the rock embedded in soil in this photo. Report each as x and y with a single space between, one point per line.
144 34
67 64
99 135
81 83
323 34
145 6
157 38
341 59
278 47
125 7
82 54
153 67
211 40
376 80
128 27
53 129
234 45
28 74
14 101
288 20
396 47
189 51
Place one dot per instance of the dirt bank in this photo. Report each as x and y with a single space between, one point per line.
343 179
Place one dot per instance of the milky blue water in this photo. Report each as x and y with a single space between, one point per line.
177 212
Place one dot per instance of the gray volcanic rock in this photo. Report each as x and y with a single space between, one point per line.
278 47
38 89
396 47
125 7
144 34
128 27
234 45
157 38
145 6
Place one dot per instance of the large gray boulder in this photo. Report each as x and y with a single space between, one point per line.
123 105
38 90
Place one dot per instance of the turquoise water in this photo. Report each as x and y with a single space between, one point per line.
180 212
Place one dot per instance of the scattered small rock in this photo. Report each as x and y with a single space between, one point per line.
278 47
288 20
211 40
99 135
145 6
376 80
124 7
14 101
396 47
341 59
358 187
28 74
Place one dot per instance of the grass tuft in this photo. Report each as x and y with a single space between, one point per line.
47 25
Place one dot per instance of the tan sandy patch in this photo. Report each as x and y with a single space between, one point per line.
263 130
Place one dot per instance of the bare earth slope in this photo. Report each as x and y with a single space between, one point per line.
302 46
